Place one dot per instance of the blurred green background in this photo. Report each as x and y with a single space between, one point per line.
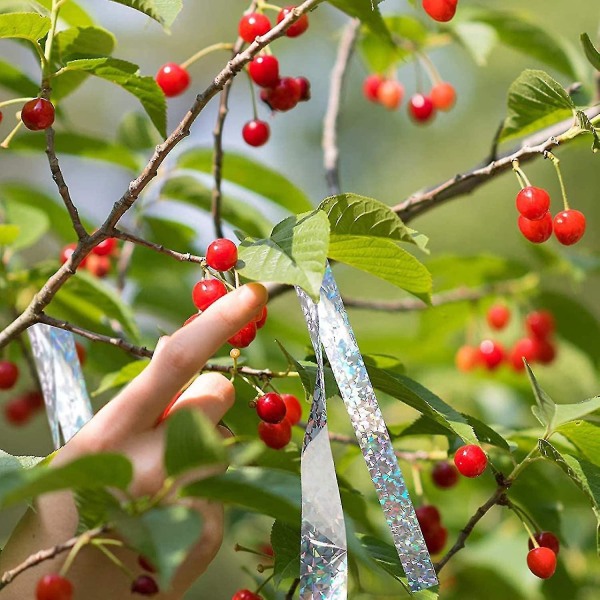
385 156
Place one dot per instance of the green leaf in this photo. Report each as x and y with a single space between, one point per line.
250 175
136 133
585 436
571 412
240 214
9 463
587 125
351 214
121 377
126 75
82 146
590 51
535 100
95 507
164 535
545 408
478 39
368 12
89 472
32 223
163 11
285 541
14 80
27 26
270 492
171 234
485 434
191 442
384 259
295 253
70 12
8 234
83 42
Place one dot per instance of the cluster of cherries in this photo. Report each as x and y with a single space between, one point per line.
277 414
440 10
279 93
98 261
537 346
422 108
535 220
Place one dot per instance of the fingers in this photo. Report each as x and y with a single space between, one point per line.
179 358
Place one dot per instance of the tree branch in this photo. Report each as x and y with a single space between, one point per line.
330 122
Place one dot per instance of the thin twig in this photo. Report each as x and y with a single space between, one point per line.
330 122
292 590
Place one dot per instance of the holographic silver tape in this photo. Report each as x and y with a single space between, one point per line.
323 551
65 394
357 392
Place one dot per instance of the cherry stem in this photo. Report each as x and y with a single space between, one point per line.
523 181
419 76
430 68
115 560
267 6
8 139
522 514
416 475
563 189
239 548
262 585
84 539
15 101
252 385
205 51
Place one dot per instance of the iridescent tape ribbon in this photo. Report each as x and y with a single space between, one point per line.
328 324
65 395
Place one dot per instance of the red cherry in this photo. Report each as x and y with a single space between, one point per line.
390 94
444 475
371 87
105 247
470 460
264 70
1 116
546 351
536 231
540 323
546 539
206 292
145 586
37 114
498 316
256 133
253 25
18 411
421 108
262 318
525 348
246 595
491 354
271 408
293 408
9 374
440 10
569 226
221 255
275 435
54 587
244 337
429 518
541 562
35 399
267 549
98 265
146 564
67 252
304 85
299 27
533 202
443 96
285 95
81 353
172 79
467 358
436 540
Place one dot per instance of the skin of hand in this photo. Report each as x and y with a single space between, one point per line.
127 425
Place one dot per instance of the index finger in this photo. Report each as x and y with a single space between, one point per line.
140 404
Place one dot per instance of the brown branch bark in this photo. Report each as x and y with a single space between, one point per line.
290 593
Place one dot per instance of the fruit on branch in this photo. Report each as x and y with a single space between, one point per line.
540 324
244 337
421 108
304 85
262 318
533 203
525 348
546 351
440 10
1 116
470 460
443 96
537 231
264 70
491 354
35 399
54 587
206 292
498 316
256 133
9 374
444 475
542 562
66 253
467 358
270 408
37 114
145 586
275 435
293 408
105 247
146 564
98 265
390 94
434 532
172 79
18 411
371 86
297 28
81 353
284 96
246 595
221 254
252 26
569 226
546 539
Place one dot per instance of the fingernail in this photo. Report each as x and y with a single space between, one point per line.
258 291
